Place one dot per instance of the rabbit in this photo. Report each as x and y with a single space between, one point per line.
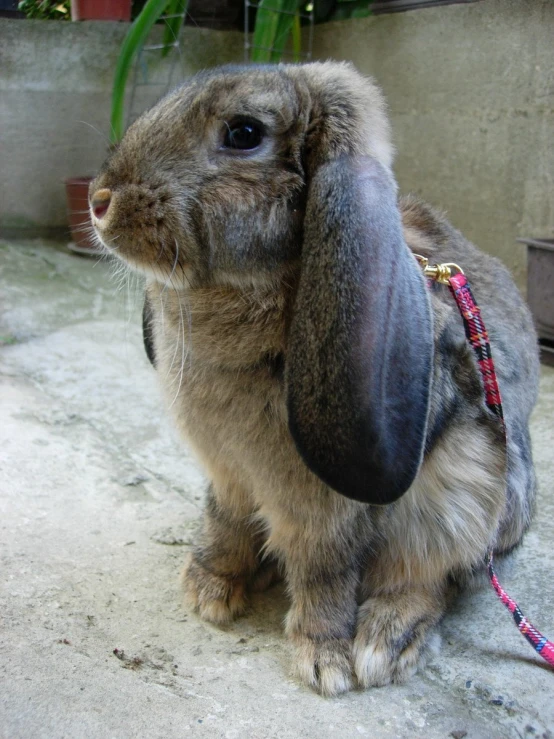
327 389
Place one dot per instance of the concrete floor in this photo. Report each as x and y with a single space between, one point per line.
99 502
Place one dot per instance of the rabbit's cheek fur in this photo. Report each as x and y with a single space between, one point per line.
249 237
251 216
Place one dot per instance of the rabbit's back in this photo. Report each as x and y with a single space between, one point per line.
458 389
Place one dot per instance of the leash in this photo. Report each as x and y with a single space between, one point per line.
477 336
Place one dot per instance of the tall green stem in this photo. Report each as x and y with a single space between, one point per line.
133 41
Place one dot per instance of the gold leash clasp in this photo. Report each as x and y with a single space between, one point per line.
438 272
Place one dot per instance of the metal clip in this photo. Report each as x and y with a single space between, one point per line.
438 272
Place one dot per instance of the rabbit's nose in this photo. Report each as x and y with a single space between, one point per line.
100 202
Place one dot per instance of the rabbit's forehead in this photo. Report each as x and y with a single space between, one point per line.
268 98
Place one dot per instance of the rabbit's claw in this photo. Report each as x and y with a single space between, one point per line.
324 665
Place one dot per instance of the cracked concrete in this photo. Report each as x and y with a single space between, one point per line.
99 503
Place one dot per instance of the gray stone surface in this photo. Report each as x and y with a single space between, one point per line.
98 506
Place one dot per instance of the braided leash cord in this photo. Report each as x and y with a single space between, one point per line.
477 336
539 642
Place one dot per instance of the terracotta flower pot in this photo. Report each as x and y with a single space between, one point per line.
76 189
101 10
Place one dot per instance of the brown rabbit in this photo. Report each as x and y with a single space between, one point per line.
329 393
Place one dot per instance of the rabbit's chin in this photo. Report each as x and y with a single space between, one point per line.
181 278
174 273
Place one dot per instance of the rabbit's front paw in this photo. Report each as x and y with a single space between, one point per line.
393 638
217 598
326 665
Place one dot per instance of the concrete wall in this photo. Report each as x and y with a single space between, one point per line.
470 88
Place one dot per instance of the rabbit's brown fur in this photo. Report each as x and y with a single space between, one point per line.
219 237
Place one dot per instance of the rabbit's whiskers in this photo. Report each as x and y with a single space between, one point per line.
181 333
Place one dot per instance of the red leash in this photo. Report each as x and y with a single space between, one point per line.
477 336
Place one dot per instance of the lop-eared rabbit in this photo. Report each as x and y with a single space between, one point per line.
328 391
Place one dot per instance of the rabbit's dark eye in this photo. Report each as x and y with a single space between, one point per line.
243 135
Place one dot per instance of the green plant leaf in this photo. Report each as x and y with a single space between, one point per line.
296 38
45 9
284 27
264 30
134 39
272 29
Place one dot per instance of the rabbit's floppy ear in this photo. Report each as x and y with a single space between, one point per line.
360 348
